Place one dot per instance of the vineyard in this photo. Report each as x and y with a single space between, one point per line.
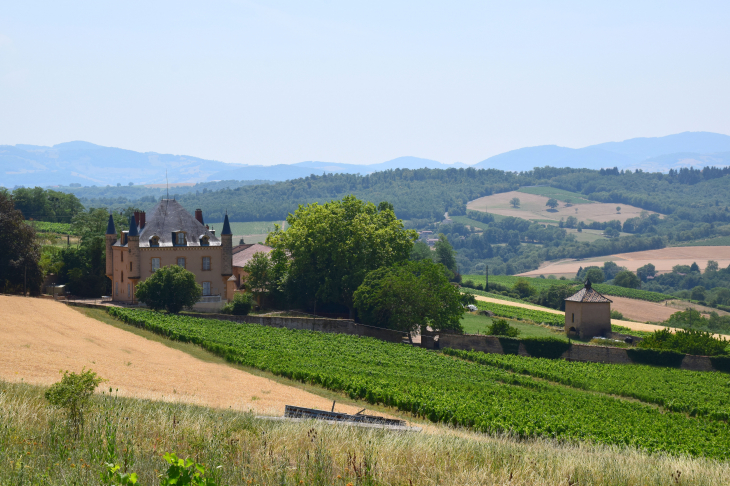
46 227
692 392
520 313
544 283
443 389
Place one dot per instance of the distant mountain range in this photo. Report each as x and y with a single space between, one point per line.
658 154
88 164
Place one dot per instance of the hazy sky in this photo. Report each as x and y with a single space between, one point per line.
360 82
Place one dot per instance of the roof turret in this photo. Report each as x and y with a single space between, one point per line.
132 227
226 226
110 228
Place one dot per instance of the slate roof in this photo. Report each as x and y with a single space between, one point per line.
587 294
243 253
168 217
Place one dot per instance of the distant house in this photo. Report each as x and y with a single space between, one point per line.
432 241
425 234
587 313
171 236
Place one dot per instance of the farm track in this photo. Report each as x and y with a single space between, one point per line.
636 326
39 337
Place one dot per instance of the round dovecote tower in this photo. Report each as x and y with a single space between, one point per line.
226 255
133 249
111 238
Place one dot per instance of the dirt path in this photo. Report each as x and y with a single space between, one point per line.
39 337
636 326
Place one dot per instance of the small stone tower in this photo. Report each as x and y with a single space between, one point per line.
111 238
133 249
226 255
587 313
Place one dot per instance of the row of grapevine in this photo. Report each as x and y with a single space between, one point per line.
520 313
441 388
46 227
544 283
692 392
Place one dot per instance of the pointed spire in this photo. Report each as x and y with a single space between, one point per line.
226 226
588 284
132 227
110 228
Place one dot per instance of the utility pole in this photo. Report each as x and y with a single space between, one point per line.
486 273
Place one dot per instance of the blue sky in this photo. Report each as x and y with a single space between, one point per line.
283 82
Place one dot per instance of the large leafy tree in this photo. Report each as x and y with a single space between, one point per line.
20 252
171 288
266 274
409 297
46 204
333 246
446 255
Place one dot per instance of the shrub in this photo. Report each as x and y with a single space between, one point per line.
547 347
627 279
616 315
241 304
687 341
509 345
171 288
500 327
73 393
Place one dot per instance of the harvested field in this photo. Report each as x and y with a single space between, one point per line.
641 310
663 259
39 337
532 206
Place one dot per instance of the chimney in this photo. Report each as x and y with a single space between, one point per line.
137 219
144 219
199 215
212 232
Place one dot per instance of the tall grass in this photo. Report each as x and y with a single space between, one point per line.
37 448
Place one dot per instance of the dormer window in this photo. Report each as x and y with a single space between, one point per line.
179 238
204 240
155 241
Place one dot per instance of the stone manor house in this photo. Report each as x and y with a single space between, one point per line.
171 236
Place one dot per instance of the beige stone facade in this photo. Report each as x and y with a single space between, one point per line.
171 237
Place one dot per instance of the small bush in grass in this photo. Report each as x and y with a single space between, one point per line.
240 306
73 393
500 327
616 315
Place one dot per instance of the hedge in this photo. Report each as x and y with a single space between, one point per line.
656 357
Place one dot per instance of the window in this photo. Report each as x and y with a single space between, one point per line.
155 264
179 239
206 263
122 276
122 253
181 262
205 241
572 318
155 241
129 292
206 288
131 267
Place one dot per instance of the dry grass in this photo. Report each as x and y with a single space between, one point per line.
34 449
39 337
663 259
533 206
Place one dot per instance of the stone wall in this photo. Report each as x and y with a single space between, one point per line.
577 352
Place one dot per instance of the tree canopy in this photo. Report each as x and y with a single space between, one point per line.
333 246
20 252
171 288
409 297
